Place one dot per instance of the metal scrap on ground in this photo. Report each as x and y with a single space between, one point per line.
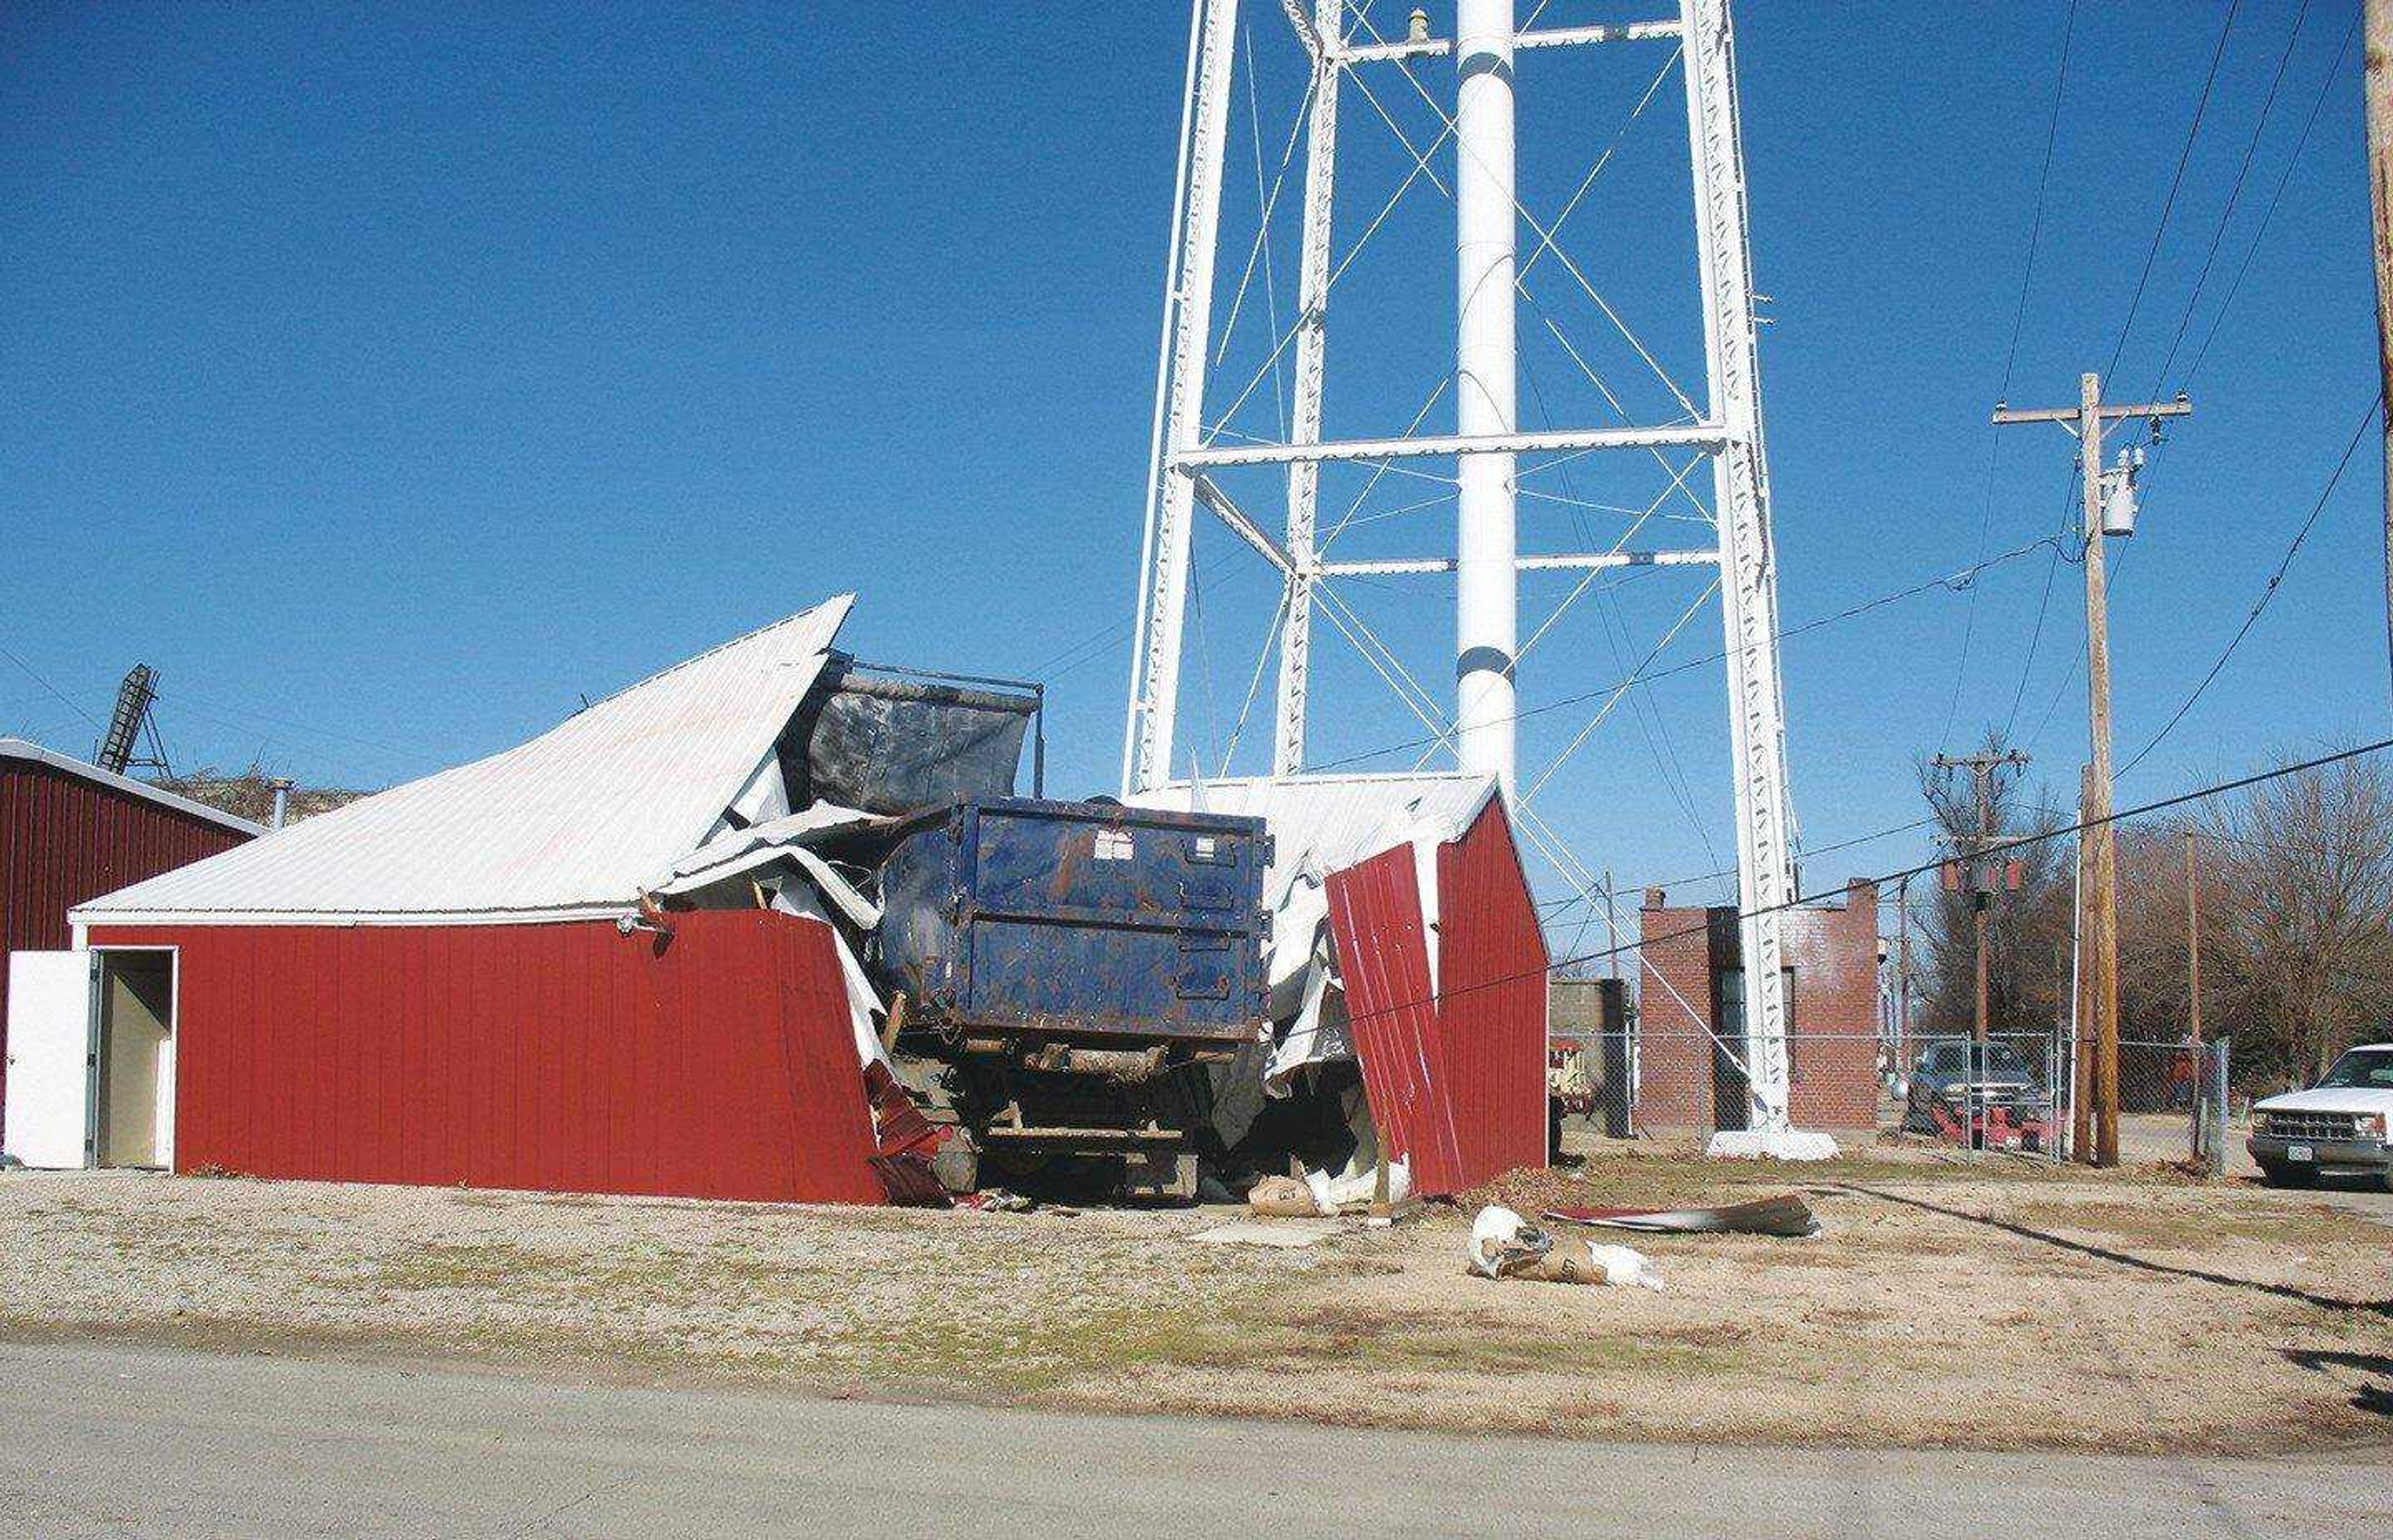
1786 1215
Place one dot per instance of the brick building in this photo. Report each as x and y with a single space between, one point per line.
1692 984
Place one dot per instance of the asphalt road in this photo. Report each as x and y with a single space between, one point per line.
116 1442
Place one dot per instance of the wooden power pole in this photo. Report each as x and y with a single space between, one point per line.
2193 941
1983 884
2376 83
2087 421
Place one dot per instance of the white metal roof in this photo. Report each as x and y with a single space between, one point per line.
571 823
1327 823
17 749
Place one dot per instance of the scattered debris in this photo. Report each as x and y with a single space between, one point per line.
1282 1197
1503 1244
1784 1215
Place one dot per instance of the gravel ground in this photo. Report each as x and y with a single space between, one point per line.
1942 1308
995 1304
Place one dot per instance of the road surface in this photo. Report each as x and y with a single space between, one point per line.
116 1442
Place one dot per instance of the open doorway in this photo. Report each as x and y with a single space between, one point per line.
133 1092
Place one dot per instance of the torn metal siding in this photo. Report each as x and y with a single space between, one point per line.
1492 1000
716 1062
572 822
1456 1066
70 832
1375 914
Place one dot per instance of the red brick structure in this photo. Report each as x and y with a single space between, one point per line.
1692 988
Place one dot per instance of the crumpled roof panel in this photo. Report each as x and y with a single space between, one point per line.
1327 823
574 820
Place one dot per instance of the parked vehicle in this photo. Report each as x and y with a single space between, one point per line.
1985 1096
2337 1127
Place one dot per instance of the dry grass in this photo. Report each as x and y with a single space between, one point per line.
1945 1306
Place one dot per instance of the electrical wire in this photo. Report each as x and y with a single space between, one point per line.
1882 880
2268 591
2010 361
2227 213
1952 581
2168 206
27 669
2334 73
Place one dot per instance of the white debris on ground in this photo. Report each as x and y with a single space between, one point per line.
1503 1244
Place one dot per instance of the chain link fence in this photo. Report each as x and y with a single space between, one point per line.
2015 1094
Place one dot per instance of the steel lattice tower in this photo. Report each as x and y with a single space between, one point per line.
1487 434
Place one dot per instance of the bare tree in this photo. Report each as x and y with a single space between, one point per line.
2028 928
2298 934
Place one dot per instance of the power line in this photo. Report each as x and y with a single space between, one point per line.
2267 592
2010 361
1883 879
28 670
2334 73
1953 581
2227 213
2192 132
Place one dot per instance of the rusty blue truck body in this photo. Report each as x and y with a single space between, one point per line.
1088 921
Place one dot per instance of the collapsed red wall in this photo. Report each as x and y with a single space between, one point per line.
1491 998
716 1063
1457 1084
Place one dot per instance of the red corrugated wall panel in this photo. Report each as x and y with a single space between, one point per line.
1375 916
562 1057
1492 1000
1458 1086
64 839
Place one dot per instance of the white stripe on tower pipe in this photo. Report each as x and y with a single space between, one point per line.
1485 583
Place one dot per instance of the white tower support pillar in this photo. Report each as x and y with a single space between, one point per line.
1748 557
1304 422
1155 686
1486 581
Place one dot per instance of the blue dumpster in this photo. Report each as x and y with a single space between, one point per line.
1088 921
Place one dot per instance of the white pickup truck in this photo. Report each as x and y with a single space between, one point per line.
2337 1127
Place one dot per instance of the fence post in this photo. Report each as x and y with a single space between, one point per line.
2217 1099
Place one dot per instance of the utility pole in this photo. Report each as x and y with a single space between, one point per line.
1903 978
2110 508
2081 1102
2376 83
2192 939
1982 769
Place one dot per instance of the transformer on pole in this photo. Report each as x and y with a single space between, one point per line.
1487 52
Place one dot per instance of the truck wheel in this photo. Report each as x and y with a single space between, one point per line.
2276 1173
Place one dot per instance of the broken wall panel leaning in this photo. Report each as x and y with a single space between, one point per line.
1452 1038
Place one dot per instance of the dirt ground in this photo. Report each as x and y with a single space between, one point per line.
1946 1305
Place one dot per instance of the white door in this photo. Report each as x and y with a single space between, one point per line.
49 1058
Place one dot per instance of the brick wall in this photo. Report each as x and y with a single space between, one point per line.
1832 953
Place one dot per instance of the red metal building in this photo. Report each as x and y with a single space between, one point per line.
70 831
466 979
710 1061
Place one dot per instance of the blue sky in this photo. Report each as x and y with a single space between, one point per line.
389 378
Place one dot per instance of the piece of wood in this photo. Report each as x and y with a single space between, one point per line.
894 1024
